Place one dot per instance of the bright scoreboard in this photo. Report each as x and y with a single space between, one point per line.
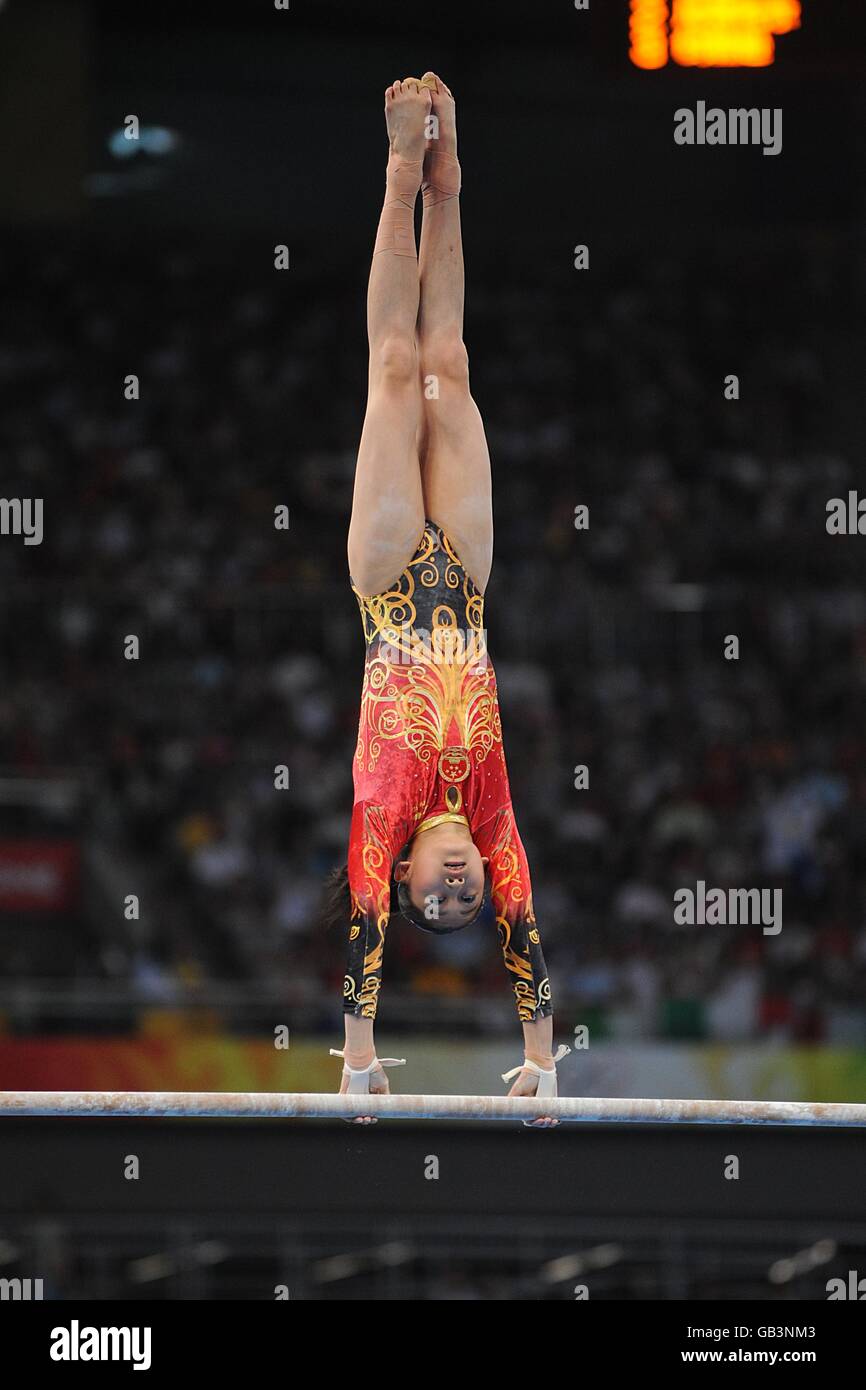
708 33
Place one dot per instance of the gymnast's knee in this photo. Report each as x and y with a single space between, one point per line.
394 362
443 356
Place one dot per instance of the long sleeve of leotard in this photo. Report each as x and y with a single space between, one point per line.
374 841
499 841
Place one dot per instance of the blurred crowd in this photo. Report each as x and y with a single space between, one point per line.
706 520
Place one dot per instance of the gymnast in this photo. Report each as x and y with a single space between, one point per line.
433 833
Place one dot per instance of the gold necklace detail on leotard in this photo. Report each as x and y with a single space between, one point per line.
444 816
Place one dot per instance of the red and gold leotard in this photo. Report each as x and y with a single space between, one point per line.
430 747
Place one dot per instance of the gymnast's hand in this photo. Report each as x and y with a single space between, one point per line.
378 1087
526 1085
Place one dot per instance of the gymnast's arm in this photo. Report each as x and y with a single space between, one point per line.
372 847
511 893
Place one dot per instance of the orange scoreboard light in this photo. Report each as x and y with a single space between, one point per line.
708 33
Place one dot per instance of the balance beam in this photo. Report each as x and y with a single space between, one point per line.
248 1105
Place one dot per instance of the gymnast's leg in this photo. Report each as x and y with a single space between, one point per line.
455 461
388 504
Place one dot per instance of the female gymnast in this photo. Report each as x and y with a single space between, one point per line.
433 832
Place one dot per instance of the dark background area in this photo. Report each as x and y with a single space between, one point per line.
602 388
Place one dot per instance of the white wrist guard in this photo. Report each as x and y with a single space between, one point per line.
546 1075
359 1077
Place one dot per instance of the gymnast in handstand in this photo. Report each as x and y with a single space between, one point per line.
433 833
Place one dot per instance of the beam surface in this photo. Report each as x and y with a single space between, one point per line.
302 1105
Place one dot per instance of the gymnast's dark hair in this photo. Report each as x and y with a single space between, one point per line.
336 905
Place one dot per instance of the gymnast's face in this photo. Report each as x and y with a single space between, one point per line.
444 874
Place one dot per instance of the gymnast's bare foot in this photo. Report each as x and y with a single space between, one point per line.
445 111
406 110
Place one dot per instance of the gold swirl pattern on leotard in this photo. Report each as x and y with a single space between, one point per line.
427 661
373 904
430 737
434 574
506 892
